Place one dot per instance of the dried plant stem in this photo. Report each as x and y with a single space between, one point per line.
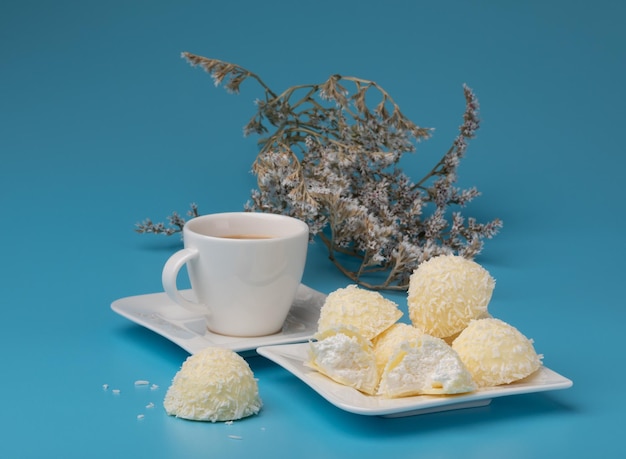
328 155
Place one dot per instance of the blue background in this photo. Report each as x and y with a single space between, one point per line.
102 124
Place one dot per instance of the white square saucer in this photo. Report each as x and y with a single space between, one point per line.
158 313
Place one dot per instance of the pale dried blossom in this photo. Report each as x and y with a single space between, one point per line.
174 225
330 160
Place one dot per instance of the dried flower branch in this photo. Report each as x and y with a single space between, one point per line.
330 160
175 223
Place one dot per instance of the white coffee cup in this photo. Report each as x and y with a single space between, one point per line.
244 269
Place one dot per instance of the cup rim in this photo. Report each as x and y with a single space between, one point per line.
299 227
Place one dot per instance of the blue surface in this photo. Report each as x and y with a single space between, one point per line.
102 125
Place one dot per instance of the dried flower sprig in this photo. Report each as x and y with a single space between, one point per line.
174 225
330 160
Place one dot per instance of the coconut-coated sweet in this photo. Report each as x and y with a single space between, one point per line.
496 353
388 342
215 384
368 312
447 292
425 366
346 357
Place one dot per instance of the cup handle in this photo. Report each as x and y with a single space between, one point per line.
170 274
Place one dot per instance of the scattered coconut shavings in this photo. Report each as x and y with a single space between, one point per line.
236 437
150 405
141 382
154 387
140 417
116 391
105 387
229 423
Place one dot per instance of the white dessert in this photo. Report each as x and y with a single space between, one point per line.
214 384
346 357
447 292
388 342
425 366
368 312
496 353
452 346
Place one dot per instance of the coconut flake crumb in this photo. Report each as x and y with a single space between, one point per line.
141 382
140 416
105 387
229 423
116 391
154 387
150 405
236 437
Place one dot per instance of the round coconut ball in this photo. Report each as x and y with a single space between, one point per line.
496 353
214 384
446 292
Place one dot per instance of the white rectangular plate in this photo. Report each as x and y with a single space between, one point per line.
292 358
158 313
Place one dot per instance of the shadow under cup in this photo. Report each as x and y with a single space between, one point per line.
244 269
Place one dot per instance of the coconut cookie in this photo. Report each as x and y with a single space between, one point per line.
346 357
368 312
446 292
214 384
425 366
496 352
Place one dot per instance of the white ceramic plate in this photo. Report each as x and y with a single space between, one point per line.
158 313
292 358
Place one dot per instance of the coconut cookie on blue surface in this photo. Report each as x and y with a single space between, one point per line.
214 384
